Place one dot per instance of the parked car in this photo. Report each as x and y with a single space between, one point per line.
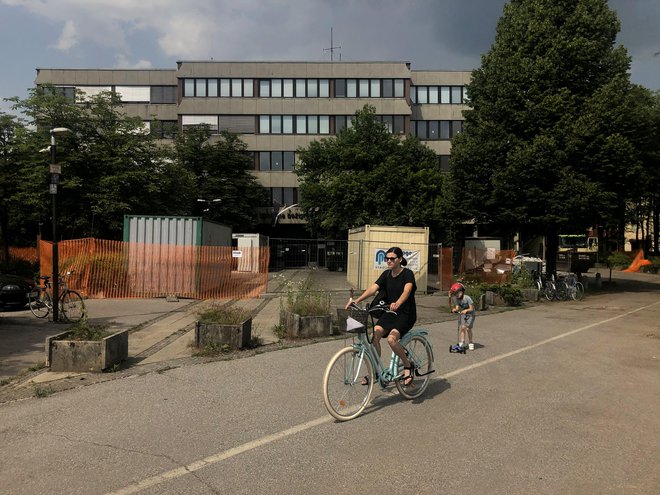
14 291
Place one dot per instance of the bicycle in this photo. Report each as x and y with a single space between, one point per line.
545 287
71 304
344 393
574 288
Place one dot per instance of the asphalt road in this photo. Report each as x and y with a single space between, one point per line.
560 398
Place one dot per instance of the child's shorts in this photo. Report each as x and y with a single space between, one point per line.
467 320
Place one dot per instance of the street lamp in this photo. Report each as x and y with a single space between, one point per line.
208 202
55 171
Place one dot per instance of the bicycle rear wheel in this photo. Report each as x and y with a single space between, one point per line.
343 393
421 356
578 292
549 290
72 306
40 303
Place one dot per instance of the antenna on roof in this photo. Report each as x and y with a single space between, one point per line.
332 49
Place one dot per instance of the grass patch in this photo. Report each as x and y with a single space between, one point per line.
42 392
39 366
224 315
84 330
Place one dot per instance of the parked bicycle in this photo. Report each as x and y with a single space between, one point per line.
545 286
351 373
71 303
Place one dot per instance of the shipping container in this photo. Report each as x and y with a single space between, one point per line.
367 247
164 255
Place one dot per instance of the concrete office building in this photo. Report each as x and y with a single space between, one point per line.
277 107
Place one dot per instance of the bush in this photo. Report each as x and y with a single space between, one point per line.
302 299
511 295
84 330
618 260
224 315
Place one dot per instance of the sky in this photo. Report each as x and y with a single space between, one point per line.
431 34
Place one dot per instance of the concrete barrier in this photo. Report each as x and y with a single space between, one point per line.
86 355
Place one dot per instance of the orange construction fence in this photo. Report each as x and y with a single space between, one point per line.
114 269
28 254
638 262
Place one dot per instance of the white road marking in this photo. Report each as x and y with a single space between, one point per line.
221 456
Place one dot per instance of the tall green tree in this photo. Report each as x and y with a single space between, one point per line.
551 140
366 175
220 167
110 166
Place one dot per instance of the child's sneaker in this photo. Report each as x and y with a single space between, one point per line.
471 346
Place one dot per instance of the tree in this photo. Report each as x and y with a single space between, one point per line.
365 175
551 140
110 167
221 170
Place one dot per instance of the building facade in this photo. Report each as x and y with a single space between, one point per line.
277 107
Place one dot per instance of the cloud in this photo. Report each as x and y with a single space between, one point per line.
68 38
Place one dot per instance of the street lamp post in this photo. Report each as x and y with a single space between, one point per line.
55 171
208 202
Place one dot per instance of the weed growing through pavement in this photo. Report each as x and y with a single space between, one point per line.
42 392
224 315
39 366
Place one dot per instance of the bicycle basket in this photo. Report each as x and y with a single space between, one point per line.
361 317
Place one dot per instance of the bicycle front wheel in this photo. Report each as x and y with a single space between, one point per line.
343 393
421 358
40 303
72 306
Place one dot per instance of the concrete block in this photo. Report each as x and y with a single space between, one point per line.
236 336
306 326
86 355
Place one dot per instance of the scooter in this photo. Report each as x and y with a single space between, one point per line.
458 348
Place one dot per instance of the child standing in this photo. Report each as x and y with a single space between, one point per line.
464 306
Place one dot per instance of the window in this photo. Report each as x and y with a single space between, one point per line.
192 120
340 88
239 124
289 195
421 129
276 124
312 88
237 88
288 160
398 124
433 95
287 124
444 95
276 160
276 88
301 124
264 88
264 160
134 93
388 120
248 88
340 123
200 87
287 88
388 88
164 129
413 94
456 127
264 124
444 129
225 87
434 130
399 88
213 87
312 124
324 88
364 88
324 124
163 94
422 95
444 163
456 94
351 88
188 87
301 84
375 88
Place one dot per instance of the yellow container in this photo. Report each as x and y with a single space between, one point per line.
367 247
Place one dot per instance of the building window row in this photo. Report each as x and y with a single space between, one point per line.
434 130
294 124
422 95
223 88
128 94
279 161
370 88
284 196
294 88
